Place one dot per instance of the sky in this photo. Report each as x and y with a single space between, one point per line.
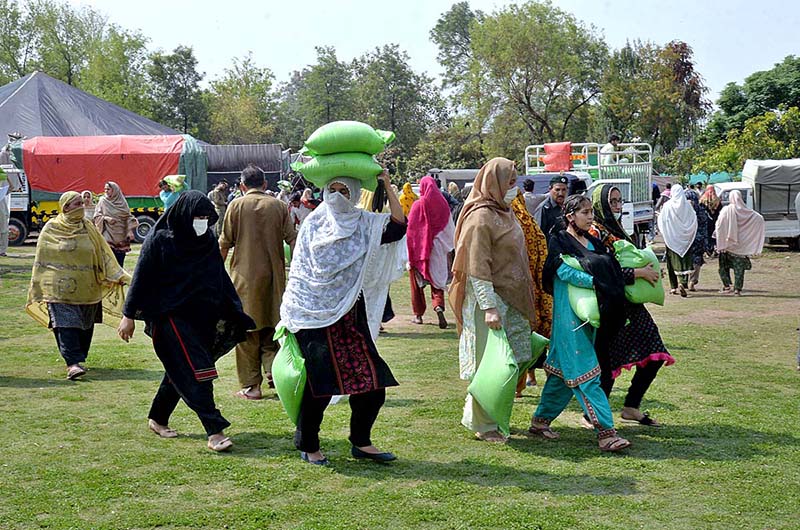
731 39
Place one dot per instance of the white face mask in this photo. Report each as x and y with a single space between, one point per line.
511 194
200 226
618 216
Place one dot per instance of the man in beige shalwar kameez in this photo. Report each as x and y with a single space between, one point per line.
257 225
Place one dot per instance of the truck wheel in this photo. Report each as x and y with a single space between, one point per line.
17 232
146 224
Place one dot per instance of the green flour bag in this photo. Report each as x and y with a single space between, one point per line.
642 291
320 169
346 137
495 381
289 373
582 301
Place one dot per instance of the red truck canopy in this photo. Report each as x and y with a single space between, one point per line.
136 163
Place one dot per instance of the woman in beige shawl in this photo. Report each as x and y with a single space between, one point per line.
740 234
114 221
492 286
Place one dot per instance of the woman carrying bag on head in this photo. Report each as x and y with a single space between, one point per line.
492 286
572 365
343 261
191 311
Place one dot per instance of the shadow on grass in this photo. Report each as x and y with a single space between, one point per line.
672 442
444 334
401 403
479 473
93 375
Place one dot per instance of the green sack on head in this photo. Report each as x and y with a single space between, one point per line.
347 137
176 182
641 292
582 301
289 373
495 381
320 169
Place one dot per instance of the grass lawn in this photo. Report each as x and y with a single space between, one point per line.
79 455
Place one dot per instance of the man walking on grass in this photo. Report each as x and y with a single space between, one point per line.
256 226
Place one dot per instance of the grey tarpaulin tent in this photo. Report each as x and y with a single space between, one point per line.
38 105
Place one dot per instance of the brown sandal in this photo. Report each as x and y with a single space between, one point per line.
545 432
220 446
616 444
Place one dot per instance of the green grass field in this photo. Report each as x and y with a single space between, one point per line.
79 455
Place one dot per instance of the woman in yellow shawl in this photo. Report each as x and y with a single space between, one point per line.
536 245
407 198
75 279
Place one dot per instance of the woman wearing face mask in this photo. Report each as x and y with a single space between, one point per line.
492 287
572 365
113 219
75 280
637 343
343 262
191 311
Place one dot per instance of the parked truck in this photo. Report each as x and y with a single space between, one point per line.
629 167
772 188
50 166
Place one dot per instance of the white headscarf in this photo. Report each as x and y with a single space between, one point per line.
740 230
336 258
677 222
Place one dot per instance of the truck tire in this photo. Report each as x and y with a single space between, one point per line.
146 224
17 232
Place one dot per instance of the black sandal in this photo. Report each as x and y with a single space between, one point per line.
645 420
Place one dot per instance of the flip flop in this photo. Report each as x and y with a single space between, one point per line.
75 372
645 420
163 432
243 394
221 446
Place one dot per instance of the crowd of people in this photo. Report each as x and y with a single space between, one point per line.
501 252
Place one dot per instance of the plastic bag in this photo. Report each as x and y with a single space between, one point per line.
495 380
558 157
176 182
583 301
289 373
287 254
321 169
347 137
538 346
641 291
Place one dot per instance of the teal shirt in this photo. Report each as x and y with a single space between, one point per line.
572 356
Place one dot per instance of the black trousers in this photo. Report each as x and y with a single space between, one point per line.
179 382
73 343
364 410
642 378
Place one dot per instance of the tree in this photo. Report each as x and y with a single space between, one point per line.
773 135
448 148
116 70
18 38
390 95
452 36
66 38
653 92
289 129
764 91
325 93
175 86
242 105
542 62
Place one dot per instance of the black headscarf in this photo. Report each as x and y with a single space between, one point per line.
606 272
603 215
181 272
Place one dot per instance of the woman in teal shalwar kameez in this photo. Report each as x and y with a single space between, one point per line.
571 364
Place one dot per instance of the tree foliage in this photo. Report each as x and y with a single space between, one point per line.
242 105
175 90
